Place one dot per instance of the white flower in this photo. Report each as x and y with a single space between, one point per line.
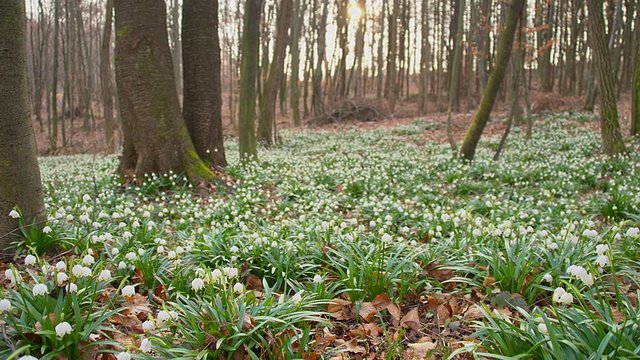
40 289
566 298
29 260
127 234
148 325
61 278
114 252
602 248
231 272
548 278
542 328
633 232
297 298
581 273
317 279
602 260
63 328
27 357
88 260
215 275
86 198
145 345
197 284
131 256
557 294
124 356
122 265
386 238
477 232
589 233
163 316
234 249
237 287
14 214
160 249
5 305
61 266
105 275
72 288
46 229
128 290
179 250
171 254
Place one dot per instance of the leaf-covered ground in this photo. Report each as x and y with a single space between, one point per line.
349 245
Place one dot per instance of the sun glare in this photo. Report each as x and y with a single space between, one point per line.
355 12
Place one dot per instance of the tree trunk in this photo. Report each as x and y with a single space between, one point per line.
635 102
202 103
267 123
153 124
391 89
294 43
317 97
544 17
612 141
248 74
105 76
468 147
19 172
53 134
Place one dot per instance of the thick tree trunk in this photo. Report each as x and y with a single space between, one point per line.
468 147
105 76
19 172
248 74
267 123
612 141
154 127
202 104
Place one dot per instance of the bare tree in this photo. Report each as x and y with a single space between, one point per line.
202 109
468 147
155 134
612 141
19 173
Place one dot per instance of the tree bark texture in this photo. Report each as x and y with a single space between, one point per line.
612 141
19 172
635 102
202 103
153 124
105 76
470 142
248 74
267 123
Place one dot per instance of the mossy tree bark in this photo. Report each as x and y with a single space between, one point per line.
248 74
156 137
19 172
267 123
612 142
635 105
468 147
202 103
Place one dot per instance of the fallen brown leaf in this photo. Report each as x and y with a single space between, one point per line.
367 312
419 350
395 312
411 320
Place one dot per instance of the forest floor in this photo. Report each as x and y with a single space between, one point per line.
92 141
352 242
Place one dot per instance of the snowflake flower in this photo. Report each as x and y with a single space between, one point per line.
105 275
197 284
29 260
63 329
40 289
124 356
14 214
317 279
5 305
145 345
128 290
